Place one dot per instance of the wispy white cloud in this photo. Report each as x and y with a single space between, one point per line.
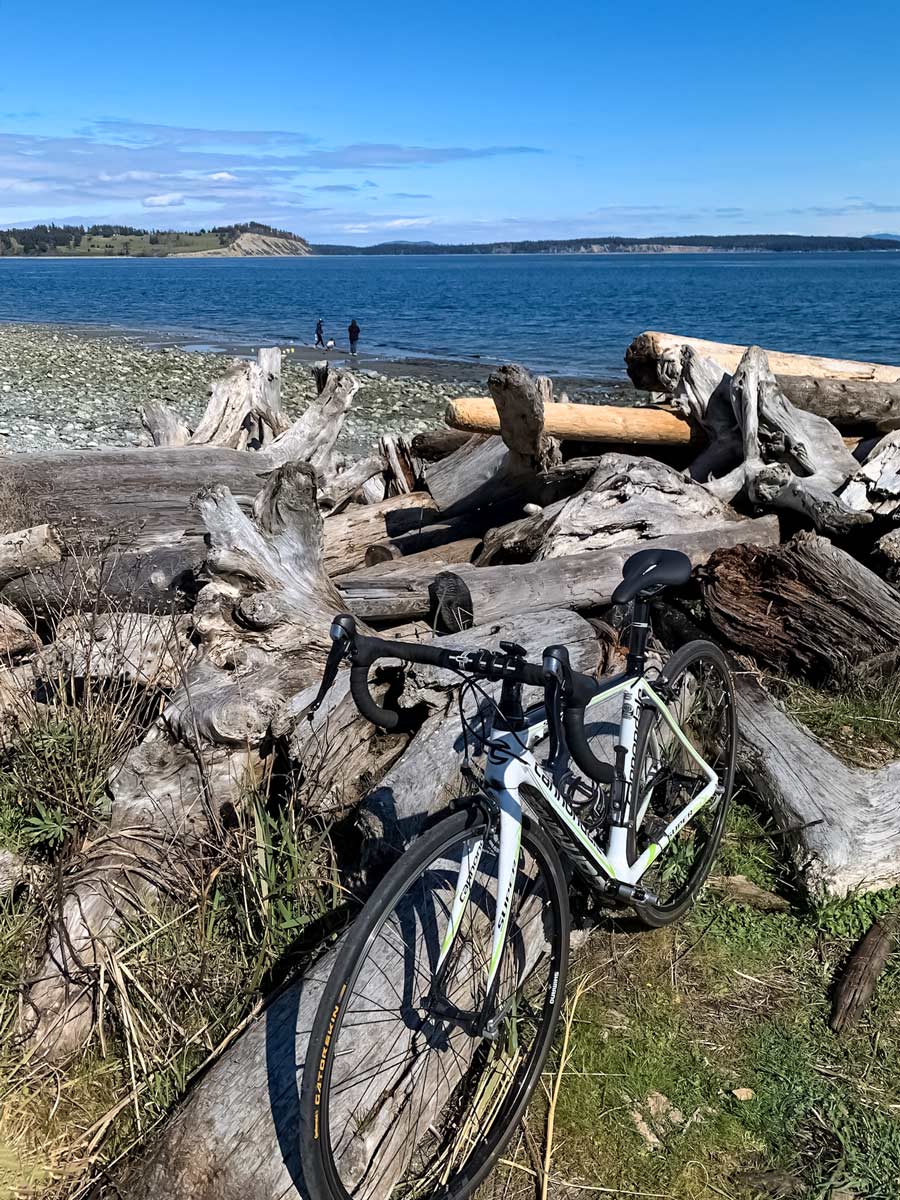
164 200
104 168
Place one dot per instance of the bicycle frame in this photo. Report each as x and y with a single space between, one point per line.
510 765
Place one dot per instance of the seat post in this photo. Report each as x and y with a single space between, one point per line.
640 632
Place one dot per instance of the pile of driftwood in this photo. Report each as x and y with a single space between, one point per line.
208 568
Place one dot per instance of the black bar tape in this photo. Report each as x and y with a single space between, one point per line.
579 747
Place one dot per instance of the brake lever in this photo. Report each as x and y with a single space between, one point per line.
556 680
342 634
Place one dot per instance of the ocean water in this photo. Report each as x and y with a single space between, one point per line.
570 314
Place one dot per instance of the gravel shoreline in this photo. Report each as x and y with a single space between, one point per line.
62 388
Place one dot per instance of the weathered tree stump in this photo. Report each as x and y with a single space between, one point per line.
849 394
261 630
841 823
806 607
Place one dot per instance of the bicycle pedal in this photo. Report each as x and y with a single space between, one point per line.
633 893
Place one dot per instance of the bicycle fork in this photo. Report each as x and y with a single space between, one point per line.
486 1022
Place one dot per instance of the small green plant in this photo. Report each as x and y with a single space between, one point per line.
54 771
278 876
850 916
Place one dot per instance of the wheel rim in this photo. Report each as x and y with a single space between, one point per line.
699 694
412 1102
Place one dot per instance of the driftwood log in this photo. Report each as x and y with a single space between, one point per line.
28 550
841 823
849 394
580 422
486 470
260 628
348 535
760 445
476 595
629 499
163 579
806 607
139 498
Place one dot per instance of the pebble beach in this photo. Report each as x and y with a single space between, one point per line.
64 388
67 389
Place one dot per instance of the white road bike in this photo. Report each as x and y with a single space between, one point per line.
443 998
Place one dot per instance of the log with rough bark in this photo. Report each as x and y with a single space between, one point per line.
806 607
470 595
580 422
27 550
236 1137
842 823
859 978
260 634
850 394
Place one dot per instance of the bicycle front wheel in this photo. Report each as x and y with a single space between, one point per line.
406 1096
666 778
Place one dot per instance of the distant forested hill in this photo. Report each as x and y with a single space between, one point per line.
124 241
622 245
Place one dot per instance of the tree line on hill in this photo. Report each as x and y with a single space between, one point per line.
770 242
55 239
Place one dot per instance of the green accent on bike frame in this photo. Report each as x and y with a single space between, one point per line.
679 732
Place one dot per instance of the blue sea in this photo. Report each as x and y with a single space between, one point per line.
567 314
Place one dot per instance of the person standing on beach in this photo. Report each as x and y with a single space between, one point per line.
353 331
320 333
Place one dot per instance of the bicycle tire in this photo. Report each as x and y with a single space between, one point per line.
323 1176
688 657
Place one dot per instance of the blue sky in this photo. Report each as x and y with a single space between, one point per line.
453 121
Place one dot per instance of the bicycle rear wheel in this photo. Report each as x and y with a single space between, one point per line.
666 778
407 1104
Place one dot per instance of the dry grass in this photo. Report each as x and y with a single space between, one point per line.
860 721
188 970
18 510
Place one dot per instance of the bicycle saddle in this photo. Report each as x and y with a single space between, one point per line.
648 571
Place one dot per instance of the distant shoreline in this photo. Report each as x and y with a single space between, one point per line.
449 252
